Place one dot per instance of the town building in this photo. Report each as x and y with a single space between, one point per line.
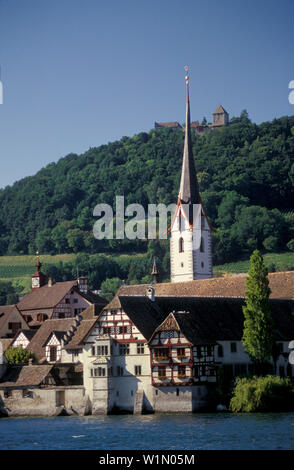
154 348
50 300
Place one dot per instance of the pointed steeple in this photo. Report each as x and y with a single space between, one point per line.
189 188
154 273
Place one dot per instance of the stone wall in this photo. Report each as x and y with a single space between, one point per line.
185 399
51 401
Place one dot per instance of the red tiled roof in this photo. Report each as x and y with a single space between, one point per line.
281 285
22 376
45 297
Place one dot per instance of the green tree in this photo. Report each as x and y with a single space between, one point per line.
18 355
8 293
258 337
75 239
109 287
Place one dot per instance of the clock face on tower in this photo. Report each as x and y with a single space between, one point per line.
35 282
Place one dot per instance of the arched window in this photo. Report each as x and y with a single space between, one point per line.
181 245
180 220
202 245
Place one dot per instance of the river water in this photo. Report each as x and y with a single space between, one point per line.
211 431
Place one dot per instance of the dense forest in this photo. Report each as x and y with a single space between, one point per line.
246 177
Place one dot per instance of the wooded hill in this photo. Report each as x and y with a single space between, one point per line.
246 176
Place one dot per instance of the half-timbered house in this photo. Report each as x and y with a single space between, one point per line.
50 300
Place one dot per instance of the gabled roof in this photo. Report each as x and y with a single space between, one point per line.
38 341
144 313
45 297
82 331
27 333
220 110
280 283
25 376
114 303
58 334
206 321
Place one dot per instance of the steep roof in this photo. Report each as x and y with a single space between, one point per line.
189 189
45 297
220 110
144 313
25 376
36 345
80 334
281 285
206 321
27 333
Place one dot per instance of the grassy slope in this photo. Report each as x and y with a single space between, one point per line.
282 261
18 269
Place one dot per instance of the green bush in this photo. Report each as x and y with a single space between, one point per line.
18 355
268 393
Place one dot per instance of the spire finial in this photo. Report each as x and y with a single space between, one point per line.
187 81
38 263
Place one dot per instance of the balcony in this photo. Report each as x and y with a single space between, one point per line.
161 358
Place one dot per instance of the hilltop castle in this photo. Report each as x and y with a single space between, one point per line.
220 119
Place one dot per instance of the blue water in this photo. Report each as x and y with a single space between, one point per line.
159 432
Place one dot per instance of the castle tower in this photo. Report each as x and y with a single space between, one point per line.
220 117
190 242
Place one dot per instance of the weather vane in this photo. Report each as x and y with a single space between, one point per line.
187 76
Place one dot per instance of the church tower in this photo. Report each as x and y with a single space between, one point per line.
190 242
38 278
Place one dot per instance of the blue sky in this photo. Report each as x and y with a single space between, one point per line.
82 73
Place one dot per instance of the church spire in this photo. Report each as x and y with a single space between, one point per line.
154 273
189 189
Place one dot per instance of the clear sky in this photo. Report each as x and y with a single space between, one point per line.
82 73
